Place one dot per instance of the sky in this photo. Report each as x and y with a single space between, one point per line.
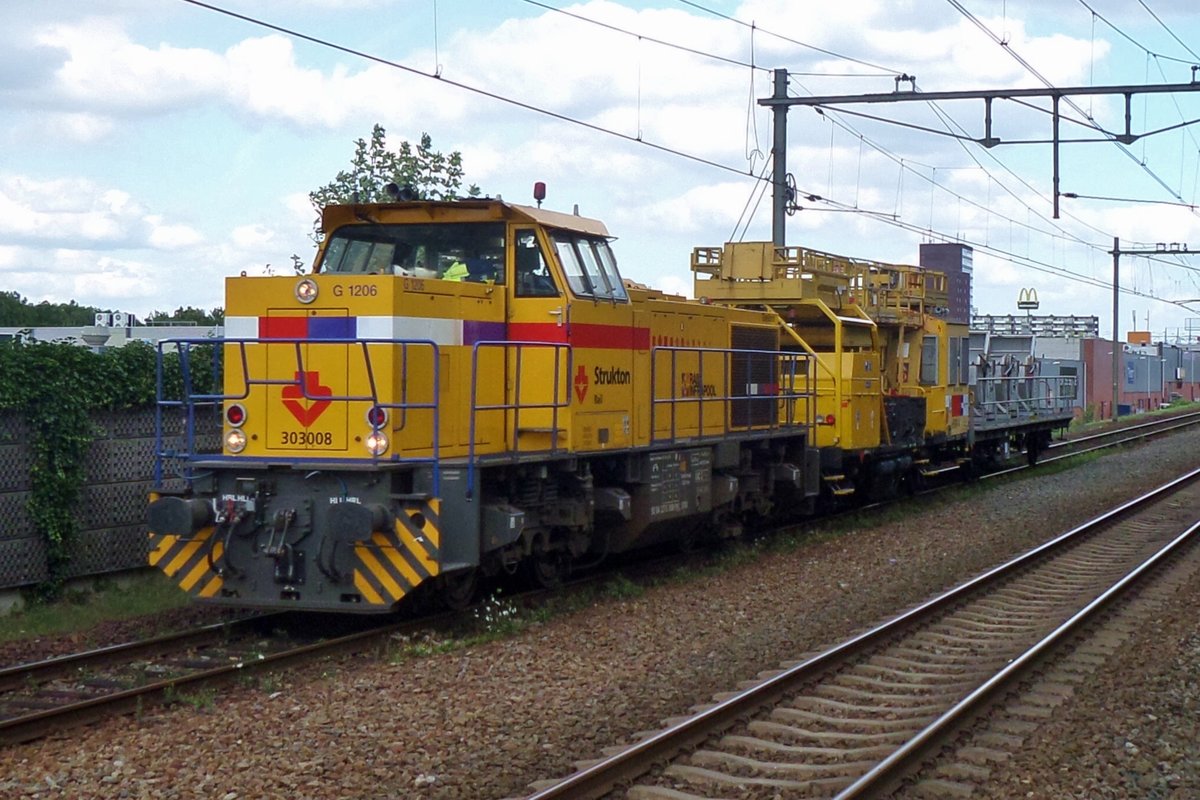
153 147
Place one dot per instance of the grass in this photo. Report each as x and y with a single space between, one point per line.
201 699
1088 423
499 617
104 600
1069 463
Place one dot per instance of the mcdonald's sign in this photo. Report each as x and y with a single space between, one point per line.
1027 299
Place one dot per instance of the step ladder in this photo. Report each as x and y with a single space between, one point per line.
838 485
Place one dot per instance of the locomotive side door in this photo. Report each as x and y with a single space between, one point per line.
537 380
603 343
576 389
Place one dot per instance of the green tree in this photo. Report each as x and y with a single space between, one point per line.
16 311
188 314
433 175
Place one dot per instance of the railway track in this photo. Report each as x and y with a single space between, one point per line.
40 698
49 696
46 697
1125 435
856 720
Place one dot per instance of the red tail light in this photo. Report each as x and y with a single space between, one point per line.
377 417
235 414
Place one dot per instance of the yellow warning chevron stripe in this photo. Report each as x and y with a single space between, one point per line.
366 589
381 573
388 549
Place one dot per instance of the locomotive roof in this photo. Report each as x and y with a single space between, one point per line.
336 215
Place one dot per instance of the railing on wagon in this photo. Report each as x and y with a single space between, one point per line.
1024 397
787 391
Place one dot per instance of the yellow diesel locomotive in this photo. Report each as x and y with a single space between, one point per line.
467 388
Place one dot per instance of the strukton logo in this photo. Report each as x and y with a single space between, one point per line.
581 383
613 376
293 398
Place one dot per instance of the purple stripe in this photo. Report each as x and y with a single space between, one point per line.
477 331
332 327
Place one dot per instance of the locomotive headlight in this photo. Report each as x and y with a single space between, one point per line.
376 442
306 290
235 440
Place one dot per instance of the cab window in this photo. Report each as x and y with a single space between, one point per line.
608 263
589 265
452 251
591 268
580 285
533 278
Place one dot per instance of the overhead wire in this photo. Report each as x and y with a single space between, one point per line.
906 164
467 87
878 148
1090 124
747 215
1167 28
986 246
1044 218
1154 56
1097 15
617 29
760 179
964 136
1191 134
692 50
1024 261
832 116
841 56
1046 82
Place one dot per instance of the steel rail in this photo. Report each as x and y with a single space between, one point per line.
1106 440
41 671
35 725
904 758
637 759
1141 430
43 722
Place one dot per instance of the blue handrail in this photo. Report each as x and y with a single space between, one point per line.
554 404
192 399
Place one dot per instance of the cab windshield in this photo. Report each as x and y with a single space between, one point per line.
590 266
454 251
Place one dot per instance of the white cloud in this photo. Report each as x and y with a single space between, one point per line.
105 71
81 127
105 76
74 213
60 211
699 209
171 237
251 236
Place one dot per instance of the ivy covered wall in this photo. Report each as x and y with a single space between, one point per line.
68 417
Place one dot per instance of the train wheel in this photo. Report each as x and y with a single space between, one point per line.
548 569
458 588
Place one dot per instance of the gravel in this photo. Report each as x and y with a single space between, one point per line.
484 721
24 651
